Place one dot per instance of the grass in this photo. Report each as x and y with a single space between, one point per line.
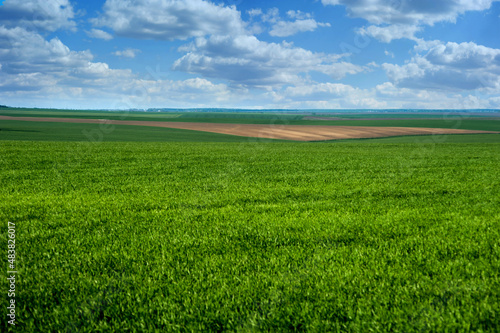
350 236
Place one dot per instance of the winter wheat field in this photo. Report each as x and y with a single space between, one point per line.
122 227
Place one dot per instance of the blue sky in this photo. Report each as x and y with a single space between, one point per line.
297 54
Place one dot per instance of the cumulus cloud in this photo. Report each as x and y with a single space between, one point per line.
409 98
223 46
387 34
169 19
190 92
27 57
386 95
127 53
44 15
409 12
44 72
100 34
288 28
302 22
25 51
450 66
465 56
320 91
330 95
246 60
403 18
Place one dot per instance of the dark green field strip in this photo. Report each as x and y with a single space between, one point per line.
117 237
53 131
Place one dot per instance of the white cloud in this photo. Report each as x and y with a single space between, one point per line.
249 61
45 15
288 28
409 12
100 34
24 51
195 90
127 53
386 95
388 33
28 58
39 72
297 14
280 28
320 90
428 99
330 95
254 12
169 19
465 56
25 82
224 49
405 17
50 73
450 66
272 15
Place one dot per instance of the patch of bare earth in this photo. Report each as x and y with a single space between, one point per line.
283 132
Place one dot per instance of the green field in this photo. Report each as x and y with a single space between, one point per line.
250 236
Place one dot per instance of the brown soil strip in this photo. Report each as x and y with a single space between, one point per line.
283 132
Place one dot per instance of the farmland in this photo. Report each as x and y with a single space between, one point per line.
440 119
227 126
210 232
267 131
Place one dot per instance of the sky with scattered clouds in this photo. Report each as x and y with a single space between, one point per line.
296 54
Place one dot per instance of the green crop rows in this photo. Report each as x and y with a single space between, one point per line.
253 236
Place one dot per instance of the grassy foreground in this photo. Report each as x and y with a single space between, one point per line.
119 237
